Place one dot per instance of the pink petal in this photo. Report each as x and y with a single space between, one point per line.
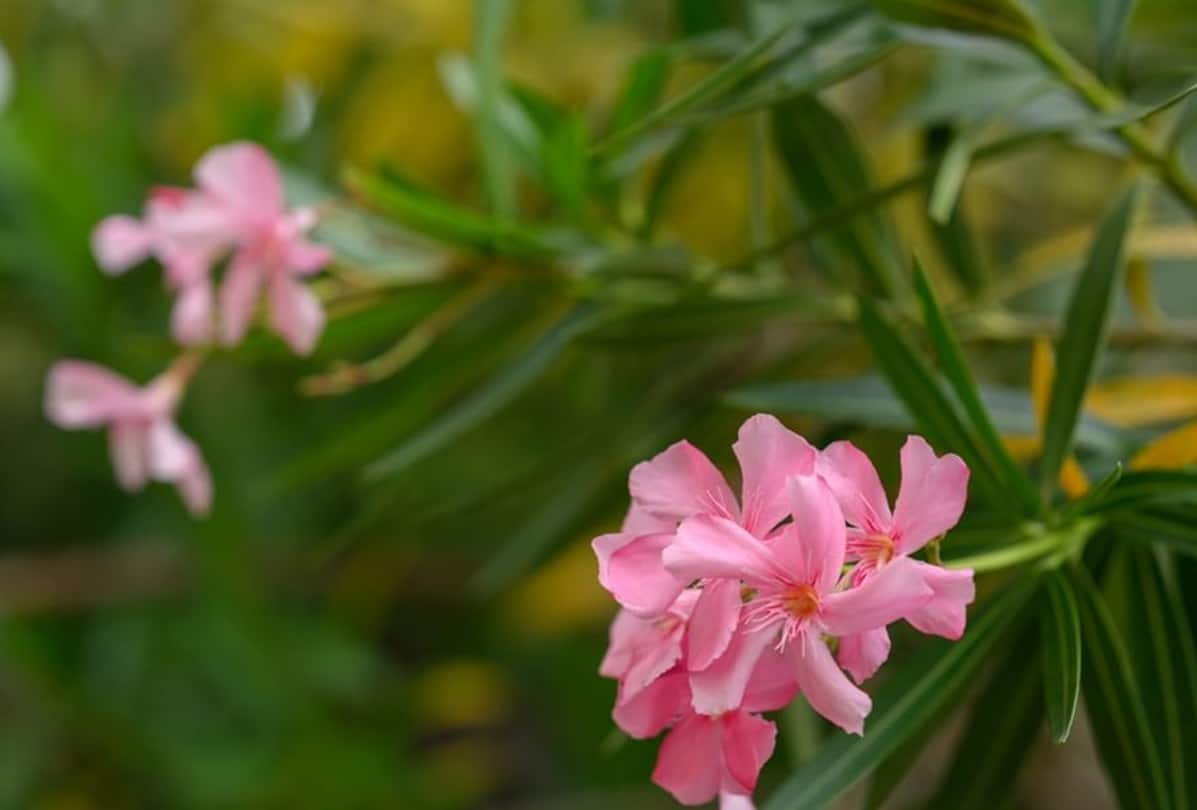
626 628
127 445
721 686
191 318
690 762
238 298
768 453
706 546
713 622
772 685
649 711
681 482
932 495
732 801
83 395
862 654
747 745
944 614
295 313
857 487
305 258
638 522
894 591
630 568
654 660
817 543
195 488
243 176
825 686
119 242
175 459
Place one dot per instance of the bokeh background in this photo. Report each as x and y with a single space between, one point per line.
430 640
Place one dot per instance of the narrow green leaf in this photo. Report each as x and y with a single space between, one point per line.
1161 649
498 168
1144 487
871 401
1170 527
949 179
642 89
957 371
1061 654
904 705
1095 495
1115 704
567 167
429 214
826 169
745 63
998 738
1084 332
918 388
1005 18
499 391
1112 19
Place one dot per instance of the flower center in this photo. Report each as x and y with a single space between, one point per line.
668 623
800 602
879 548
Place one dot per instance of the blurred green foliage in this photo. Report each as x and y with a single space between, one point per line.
569 234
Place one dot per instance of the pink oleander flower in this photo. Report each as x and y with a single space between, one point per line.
242 182
182 232
238 207
707 756
681 483
930 502
799 598
642 650
143 440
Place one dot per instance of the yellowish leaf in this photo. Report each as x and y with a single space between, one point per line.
1137 401
1140 289
1176 448
1073 481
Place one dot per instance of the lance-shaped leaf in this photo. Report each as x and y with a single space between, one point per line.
903 706
1004 18
956 369
871 401
998 738
423 211
497 392
1115 704
1084 332
915 383
1061 654
1161 646
498 167
1112 17
826 169
1145 487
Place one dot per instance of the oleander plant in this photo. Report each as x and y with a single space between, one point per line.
775 404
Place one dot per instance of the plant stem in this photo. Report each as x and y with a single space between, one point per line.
1103 99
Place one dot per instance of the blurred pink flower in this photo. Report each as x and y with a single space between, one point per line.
182 232
796 579
682 483
239 207
142 437
241 181
930 502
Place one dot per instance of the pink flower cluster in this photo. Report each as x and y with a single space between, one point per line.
236 212
732 607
